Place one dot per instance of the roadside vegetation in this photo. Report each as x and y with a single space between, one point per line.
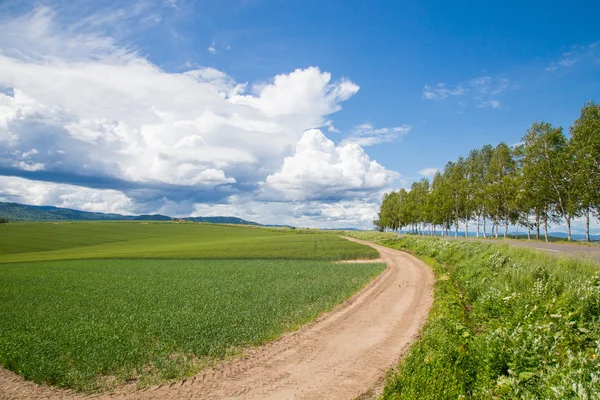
506 323
548 177
91 306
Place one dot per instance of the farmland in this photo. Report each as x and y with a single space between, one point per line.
84 240
91 306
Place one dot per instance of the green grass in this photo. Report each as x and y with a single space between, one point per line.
89 324
92 305
506 323
25 242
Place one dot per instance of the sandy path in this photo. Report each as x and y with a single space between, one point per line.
341 355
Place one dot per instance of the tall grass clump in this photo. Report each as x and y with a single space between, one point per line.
506 323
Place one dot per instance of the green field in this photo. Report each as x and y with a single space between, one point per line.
129 302
81 240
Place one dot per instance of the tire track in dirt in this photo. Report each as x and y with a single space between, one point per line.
341 355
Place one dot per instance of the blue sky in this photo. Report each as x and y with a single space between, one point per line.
107 106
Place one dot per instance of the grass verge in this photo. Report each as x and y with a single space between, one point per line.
506 323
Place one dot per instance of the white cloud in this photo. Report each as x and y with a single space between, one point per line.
81 106
490 103
212 48
320 170
356 213
331 127
19 190
97 109
429 171
480 89
441 92
367 135
577 54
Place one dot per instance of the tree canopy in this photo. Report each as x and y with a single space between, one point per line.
548 177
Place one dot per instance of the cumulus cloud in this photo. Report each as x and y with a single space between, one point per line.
367 135
103 110
88 122
320 170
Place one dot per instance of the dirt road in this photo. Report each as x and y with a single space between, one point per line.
341 355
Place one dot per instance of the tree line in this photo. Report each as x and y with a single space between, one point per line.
548 177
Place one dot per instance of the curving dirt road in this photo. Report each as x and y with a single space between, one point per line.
341 355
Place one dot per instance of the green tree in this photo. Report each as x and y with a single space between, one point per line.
500 186
585 145
548 154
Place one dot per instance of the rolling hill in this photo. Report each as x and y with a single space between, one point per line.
24 212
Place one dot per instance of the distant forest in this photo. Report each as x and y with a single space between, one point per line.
548 177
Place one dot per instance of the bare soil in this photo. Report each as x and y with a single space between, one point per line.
344 354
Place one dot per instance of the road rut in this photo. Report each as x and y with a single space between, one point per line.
341 355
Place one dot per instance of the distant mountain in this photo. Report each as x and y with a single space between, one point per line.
341 229
24 212
220 220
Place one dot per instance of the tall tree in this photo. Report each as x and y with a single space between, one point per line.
500 187
547 150
585 145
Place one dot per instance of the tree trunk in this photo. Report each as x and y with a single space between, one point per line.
467 227
537 227
456 229
505 226
528 228
478 220
484 232
587 224
517 230
546 228
568 221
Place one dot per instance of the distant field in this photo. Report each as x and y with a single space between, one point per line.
80 240
91 322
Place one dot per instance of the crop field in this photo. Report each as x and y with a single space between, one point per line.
91 306
81 240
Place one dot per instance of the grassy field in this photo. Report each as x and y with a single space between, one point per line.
22 242
91 322
506 323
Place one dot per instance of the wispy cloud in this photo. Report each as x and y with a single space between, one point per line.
331 127
575 55
481 90
490 103
441 91
212 48
367 135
